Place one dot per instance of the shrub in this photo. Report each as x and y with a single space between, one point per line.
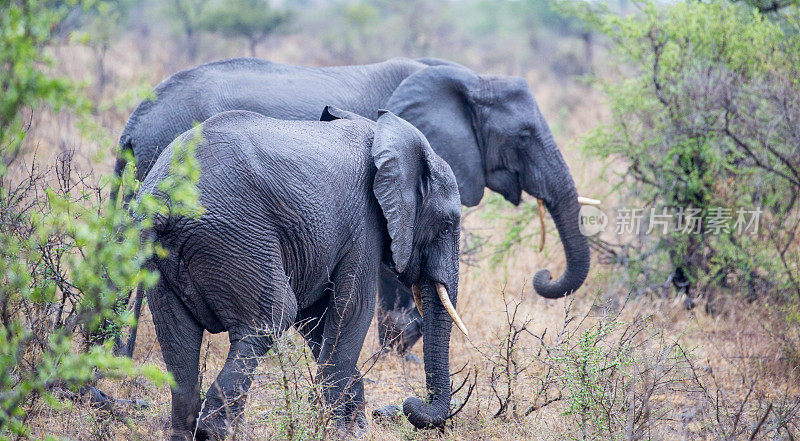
704 116
66 265
253 20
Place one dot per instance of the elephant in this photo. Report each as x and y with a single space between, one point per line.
488 128
297 218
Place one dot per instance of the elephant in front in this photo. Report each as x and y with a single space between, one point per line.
488 128
298 217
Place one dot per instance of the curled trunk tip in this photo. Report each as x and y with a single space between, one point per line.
566 215
421 416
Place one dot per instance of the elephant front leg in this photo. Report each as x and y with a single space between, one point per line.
346 325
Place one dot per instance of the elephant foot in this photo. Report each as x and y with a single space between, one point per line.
352 426
210 430
360 424
181 435
412 358
391 414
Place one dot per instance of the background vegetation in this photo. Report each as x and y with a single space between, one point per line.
705 114
655 106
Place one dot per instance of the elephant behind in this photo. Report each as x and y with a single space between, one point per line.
488 128
298 217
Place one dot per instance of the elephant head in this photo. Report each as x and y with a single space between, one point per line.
418 196
492 133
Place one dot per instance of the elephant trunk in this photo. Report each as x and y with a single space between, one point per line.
437 324
565 210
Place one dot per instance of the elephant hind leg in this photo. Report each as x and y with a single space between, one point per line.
310 324
225 399
180 338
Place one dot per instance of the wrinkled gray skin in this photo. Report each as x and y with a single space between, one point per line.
487 127
298 218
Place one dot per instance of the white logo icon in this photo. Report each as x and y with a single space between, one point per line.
593 220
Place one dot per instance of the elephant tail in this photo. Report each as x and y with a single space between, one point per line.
125 149
137 310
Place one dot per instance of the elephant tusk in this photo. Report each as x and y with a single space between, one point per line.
543 231
417 297
587 201
445 298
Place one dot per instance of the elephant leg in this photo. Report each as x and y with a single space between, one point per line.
399 322
311 325
180 337
265 307
411 331
347 320
226 397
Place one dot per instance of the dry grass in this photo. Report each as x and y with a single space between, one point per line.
734 372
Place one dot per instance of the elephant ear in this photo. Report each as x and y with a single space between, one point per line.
431 61
402 157
330 113
437 100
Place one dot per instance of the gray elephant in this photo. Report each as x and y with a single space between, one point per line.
488 128
298 217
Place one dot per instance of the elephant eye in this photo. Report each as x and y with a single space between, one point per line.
525 136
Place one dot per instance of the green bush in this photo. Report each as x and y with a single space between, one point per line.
704 115
66 266
614 376
253 20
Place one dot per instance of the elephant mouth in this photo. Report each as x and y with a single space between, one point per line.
444 297
543 228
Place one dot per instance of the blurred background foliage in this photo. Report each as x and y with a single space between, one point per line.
513 33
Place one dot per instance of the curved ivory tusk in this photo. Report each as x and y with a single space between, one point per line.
417 297
587 201
445 298
543 231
